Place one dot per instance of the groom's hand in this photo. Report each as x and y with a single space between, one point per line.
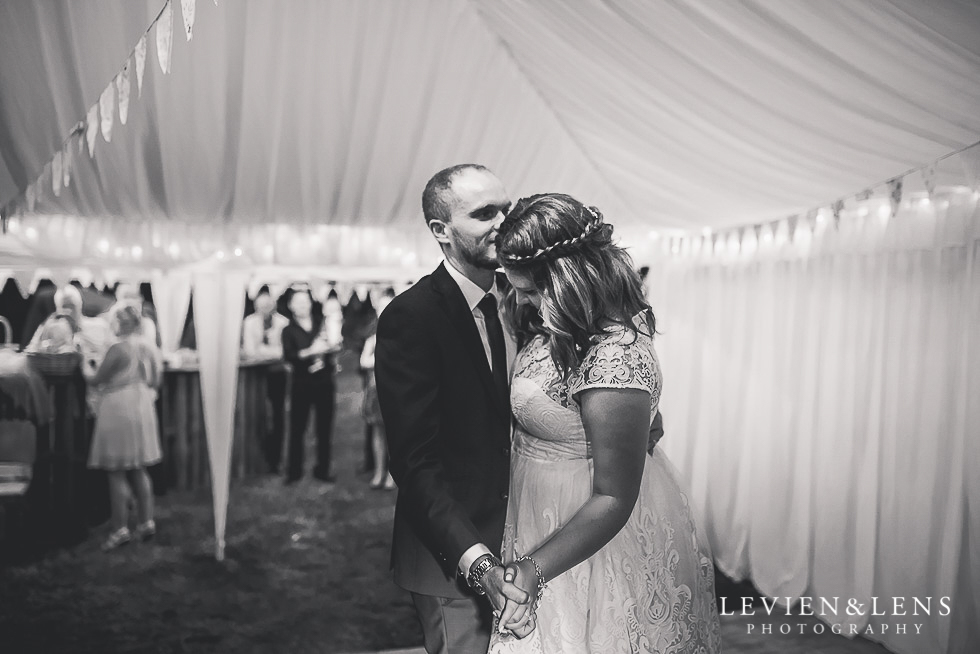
519 619
500 591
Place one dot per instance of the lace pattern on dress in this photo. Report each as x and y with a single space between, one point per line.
534 362
620 360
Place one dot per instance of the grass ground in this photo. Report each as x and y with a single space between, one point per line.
306 570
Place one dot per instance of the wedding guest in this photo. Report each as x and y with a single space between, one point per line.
262 339
126 438
92 335
367 379
371 411
130 294
310 350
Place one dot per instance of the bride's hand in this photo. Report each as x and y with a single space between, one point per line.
520 618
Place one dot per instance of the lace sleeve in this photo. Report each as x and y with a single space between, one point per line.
617 364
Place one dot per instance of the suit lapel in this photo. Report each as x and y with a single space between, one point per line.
462 320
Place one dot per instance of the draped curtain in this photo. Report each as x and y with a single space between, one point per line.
822 398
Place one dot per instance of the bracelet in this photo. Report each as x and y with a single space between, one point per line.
479 570
542 584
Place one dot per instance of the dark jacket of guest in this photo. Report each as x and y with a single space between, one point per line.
294 339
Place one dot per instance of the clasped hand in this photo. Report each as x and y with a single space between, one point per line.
513 592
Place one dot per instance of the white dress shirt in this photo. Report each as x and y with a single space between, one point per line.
253 335
473 294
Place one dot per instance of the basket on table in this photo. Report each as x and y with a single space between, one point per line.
55 363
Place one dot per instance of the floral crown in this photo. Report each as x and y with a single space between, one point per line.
561 248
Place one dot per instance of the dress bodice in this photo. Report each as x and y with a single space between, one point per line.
549 420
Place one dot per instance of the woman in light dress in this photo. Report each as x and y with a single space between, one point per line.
371 412
595 523
126 438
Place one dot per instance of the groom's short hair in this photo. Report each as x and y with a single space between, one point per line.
435 201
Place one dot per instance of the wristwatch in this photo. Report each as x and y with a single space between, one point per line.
478 570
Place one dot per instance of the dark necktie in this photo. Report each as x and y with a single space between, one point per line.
266 326
498 350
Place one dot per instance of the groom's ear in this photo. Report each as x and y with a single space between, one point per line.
439 230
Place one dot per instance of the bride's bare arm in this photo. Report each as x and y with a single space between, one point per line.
617 425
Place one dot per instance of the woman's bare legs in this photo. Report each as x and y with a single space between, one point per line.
140 481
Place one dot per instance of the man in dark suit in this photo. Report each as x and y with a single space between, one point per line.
442 362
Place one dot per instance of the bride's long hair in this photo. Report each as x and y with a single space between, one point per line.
587 283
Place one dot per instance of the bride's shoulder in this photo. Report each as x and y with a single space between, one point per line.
623 334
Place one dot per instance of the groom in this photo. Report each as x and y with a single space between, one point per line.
442 362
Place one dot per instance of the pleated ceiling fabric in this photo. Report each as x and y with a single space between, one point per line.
665 114
301 112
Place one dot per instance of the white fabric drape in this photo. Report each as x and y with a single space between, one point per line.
171 296
219 303
302 112
676 114
821 399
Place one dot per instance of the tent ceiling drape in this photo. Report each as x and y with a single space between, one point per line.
666 114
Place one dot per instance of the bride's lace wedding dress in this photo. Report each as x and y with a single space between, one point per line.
651 588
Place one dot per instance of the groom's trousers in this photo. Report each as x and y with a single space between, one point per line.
454 626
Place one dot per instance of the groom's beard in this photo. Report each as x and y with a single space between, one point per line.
482 258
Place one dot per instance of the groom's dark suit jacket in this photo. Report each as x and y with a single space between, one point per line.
448 435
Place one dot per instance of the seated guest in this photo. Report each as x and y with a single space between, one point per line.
126 438
262 339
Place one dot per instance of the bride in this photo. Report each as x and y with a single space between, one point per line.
598 530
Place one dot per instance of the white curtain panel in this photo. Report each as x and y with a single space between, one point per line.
821 399
219 303
172 296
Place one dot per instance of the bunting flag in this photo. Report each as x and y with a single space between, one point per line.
864 195
139 57
101 115
837 208
165 37
895 194
345 291
91 128
970 162
122 88
187 8
66 164
107 107
791 222
22 278
57 175
929 179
